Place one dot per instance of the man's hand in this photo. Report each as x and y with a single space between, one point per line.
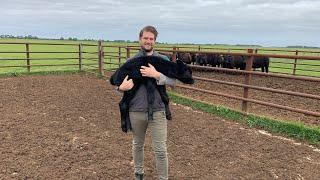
150 71
126 84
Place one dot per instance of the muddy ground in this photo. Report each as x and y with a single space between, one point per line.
67 127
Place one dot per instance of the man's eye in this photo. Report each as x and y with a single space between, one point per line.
146 38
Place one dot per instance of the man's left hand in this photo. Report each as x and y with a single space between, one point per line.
150 71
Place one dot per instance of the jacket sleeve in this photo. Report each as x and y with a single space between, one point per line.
164 80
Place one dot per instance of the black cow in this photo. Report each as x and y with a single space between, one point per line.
261 62
185 57
193 57
227 61
214 60
201 59
239 62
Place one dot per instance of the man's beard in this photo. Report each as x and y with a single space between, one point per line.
147 50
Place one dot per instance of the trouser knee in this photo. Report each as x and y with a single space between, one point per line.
137 145
161 154
160 146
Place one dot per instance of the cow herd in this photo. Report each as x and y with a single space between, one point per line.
223 61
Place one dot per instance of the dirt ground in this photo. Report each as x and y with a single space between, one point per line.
270 82
67 127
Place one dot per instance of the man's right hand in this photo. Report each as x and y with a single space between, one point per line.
126 84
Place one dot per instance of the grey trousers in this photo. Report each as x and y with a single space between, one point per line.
158 128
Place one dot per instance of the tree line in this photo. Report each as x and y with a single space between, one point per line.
6 36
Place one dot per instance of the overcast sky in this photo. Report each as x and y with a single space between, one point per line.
262 22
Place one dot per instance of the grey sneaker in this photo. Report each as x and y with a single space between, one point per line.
138 176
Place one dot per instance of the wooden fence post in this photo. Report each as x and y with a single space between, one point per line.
80 57
101 54
295 64
174 58
128 52
28 57
119 54
247 80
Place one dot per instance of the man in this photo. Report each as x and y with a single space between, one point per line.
139 106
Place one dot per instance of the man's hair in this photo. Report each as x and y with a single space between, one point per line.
149 29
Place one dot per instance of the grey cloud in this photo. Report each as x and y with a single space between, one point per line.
195 19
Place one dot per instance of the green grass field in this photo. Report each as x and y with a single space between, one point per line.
308 67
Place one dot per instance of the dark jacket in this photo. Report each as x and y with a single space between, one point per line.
131 68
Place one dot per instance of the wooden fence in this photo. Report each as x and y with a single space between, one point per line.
75 55
114 56
248 77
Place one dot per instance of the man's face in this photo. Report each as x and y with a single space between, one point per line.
147 41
